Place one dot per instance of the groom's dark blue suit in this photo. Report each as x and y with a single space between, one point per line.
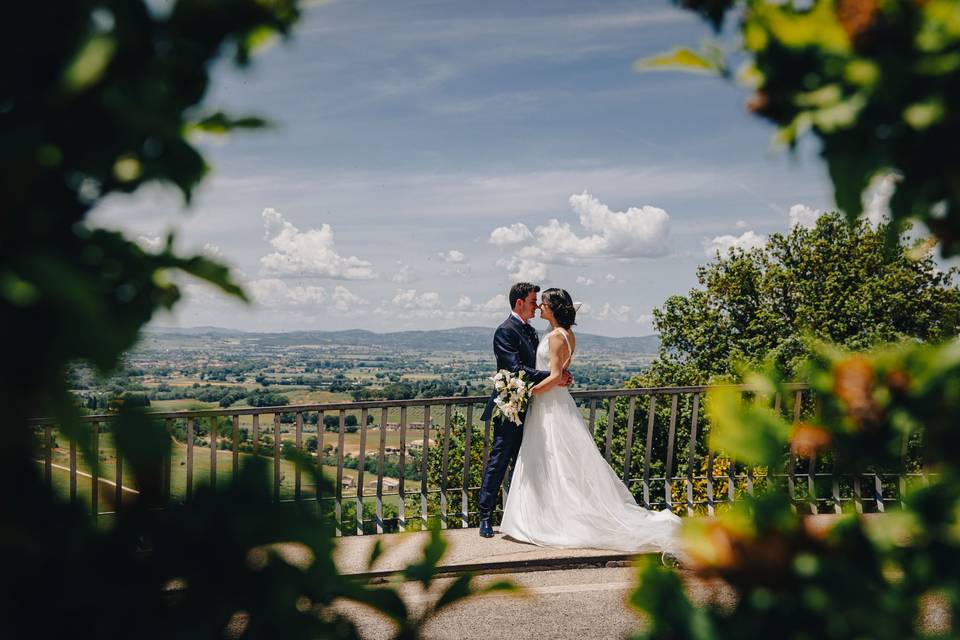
515 347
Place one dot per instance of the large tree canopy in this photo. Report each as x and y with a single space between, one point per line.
834 282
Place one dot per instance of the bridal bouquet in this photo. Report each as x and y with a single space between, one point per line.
513 394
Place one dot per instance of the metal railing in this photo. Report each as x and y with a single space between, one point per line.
662 458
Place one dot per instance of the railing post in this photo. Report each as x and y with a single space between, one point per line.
236 447
298 441
902 484
878 492
95 471
401 486
647 450
48 454
593 416
668 475
118 487
711 507
695 412
338 505
276 456
445 463
189 487
167 460
380 461
792 460
73 470
611 412
467 446
360 469
631 408
213 452
318 490
748 470
424 462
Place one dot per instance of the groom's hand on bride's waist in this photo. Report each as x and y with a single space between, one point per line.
566 379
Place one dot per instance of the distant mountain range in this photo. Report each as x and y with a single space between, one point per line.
459 339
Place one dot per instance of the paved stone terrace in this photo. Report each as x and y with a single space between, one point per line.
467 551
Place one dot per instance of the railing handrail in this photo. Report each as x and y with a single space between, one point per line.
418 402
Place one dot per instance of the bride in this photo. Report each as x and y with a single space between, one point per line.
563 493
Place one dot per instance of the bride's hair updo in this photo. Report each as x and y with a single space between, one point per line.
561 304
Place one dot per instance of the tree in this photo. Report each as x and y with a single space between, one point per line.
98 99
836 282
267 398
874 82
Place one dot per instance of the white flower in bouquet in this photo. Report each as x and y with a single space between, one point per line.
513 394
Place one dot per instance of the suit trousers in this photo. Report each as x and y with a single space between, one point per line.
507 437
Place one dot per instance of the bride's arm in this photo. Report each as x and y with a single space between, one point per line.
557 357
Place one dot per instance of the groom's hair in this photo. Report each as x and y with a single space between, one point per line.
520 291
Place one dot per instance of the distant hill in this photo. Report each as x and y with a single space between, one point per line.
458 339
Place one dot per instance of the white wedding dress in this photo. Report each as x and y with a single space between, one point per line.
564 494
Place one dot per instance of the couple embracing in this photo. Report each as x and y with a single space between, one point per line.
562 492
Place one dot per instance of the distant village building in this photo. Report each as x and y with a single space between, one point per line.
389 484
416 426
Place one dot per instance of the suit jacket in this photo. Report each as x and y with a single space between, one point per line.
515 351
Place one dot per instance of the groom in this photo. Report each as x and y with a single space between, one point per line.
515 346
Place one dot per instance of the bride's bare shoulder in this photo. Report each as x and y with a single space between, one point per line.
566 336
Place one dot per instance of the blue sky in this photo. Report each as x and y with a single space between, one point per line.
426 154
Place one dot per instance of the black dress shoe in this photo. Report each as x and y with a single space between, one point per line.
486 529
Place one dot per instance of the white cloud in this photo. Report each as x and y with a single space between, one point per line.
556 241
741 224
645 318
804 216
212 251
524 270
876 198
345 301
453 256
411 303
637 232
151 244
585 280
410 299
404 274
610 277
497 304
310 252
746 241
272 292
619 313
513 234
